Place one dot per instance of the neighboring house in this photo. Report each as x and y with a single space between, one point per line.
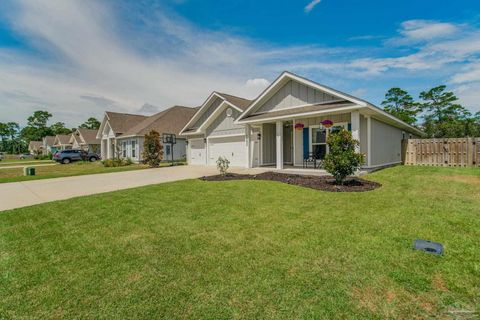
62 142
48 145
122 135
85 139
212 131
35 147
283 126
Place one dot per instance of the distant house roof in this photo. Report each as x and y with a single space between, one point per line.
122 122
62 139
35 145
171 120
89 136
242 103
49 140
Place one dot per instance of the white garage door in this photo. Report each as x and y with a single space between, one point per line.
197 151
232 148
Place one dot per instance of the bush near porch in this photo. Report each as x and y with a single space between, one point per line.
249 249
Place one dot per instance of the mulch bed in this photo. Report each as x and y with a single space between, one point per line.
325 183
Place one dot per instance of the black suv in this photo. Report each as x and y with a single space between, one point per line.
67 156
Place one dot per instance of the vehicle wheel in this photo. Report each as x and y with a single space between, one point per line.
93 159
65 161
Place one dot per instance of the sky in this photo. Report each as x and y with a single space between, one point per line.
77 59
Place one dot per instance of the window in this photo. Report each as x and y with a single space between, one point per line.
134 148
319 135
167 150
124 149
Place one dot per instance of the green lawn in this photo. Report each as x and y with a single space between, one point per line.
249 249
62 170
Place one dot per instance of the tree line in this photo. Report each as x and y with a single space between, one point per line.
436 112
15 140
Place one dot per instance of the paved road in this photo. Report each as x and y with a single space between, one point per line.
26 193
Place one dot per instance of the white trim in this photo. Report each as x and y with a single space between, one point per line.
222 106
298 115
293 141
299 106
223 136
391 117
310 83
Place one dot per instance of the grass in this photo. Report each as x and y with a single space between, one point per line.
21 161
67 170
249 249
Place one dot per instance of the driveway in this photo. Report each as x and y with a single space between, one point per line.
27 193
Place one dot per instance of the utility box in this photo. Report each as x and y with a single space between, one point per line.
428 246
29 171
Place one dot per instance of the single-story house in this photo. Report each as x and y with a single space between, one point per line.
290 121
35 147
62 142
212 131
122 135
85 139
48 145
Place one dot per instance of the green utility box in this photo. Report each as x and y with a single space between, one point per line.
29 171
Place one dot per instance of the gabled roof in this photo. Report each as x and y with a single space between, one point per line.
35 145
241 104
89 136
62 139
122 122
49 140
286 76
171 120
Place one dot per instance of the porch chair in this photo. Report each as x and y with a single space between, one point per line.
310 159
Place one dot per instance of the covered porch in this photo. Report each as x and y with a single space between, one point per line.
286 143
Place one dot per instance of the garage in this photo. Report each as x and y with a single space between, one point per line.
197 152
232 148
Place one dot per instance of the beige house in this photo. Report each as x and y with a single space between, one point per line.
122 135
85 139
290 122
48 145
35 147
62 142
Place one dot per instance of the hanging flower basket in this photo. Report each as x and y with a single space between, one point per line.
299 126
327 123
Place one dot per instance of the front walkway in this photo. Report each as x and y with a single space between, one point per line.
27 193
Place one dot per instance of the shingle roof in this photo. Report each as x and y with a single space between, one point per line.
122 122
63 138
294 111
242 103
49 140
89 135
35 145
171 120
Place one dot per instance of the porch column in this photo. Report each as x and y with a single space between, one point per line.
279 144
355 120
248 133
369 141
102 148
109 148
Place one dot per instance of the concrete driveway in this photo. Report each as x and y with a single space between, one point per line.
21 194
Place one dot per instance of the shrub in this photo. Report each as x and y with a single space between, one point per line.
342 160
117 162
222 165
152 149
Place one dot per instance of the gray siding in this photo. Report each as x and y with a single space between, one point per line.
224 124
294 94
386 143
209 110
363 136
269 147
179 151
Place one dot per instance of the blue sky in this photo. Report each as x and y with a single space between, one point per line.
80 58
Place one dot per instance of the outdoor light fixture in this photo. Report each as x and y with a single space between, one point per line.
204 140
428 246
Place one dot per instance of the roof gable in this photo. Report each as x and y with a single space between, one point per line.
121 122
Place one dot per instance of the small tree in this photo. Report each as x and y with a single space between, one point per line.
342 159
152 149
222 165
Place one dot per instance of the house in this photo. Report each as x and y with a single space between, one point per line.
287 122
62 142
213 132
125 133
35 147
85 139
48 147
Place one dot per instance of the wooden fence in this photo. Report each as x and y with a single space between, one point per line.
453 152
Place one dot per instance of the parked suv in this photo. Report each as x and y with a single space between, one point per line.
67 156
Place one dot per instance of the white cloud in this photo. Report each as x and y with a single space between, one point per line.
309 7
469 95
257 83
470 73
426 30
